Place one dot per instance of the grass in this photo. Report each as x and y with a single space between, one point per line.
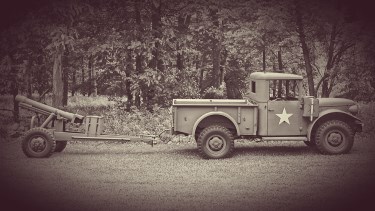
260 176
367 114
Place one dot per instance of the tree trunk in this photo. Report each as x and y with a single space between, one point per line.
139 58
216 63
280 61
57 83
74 82
128 83
65 86
139 70
334 57
94 82
216 49
305 48
83 91
156 25
16 108
28 78
89 84
325 88
183 27
223 65
14 91
198 67
156 63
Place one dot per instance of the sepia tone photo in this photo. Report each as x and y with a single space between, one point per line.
187 105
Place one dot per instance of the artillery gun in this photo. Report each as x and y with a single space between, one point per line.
43 139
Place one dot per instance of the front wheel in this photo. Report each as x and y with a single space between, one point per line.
334 137
38 143
215 142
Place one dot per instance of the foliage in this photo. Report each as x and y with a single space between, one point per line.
215 93
149 52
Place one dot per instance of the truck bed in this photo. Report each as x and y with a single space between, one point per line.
191 115
212 102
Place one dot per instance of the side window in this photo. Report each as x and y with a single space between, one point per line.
283 90
277 90
292 90
253 87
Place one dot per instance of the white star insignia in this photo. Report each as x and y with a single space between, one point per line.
284 117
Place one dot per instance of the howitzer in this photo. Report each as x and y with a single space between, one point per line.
42 140
41 108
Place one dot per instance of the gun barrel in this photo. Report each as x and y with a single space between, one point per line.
70 116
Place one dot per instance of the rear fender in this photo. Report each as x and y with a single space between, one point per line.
216 113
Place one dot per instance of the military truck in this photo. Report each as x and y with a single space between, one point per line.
274 110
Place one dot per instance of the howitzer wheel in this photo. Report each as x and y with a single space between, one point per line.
38 143
215 142
60 146
334 137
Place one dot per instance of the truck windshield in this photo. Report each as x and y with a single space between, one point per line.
283 89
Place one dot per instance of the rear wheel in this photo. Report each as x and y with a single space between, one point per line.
215 142
60 146
38 143
334 137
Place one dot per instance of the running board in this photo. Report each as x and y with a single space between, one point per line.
287 138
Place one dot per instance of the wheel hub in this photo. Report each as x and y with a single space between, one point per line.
216 143
38 144
335 139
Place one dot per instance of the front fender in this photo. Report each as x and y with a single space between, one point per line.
215 113
336 113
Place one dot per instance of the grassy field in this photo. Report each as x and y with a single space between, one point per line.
172 176
260 176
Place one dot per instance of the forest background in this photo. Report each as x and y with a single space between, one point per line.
151 51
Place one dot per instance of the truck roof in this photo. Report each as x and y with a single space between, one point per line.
274 76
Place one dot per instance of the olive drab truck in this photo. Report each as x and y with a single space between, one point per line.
274 110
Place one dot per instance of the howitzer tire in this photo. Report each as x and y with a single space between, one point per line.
38 143
334 137
60 146
215 142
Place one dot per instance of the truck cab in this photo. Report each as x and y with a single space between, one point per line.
274 109
279 97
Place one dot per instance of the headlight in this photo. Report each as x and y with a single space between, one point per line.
354 109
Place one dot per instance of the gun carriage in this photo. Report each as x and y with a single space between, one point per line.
51 135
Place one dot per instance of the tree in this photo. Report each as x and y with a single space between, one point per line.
152 51
305 49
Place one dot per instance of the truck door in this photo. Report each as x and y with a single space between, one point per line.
284 108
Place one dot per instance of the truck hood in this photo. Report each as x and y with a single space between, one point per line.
335 102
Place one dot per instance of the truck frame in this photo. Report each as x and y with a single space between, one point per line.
274 109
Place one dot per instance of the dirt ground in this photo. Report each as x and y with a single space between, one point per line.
136 176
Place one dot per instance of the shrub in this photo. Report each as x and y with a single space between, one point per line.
215 93
367 115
